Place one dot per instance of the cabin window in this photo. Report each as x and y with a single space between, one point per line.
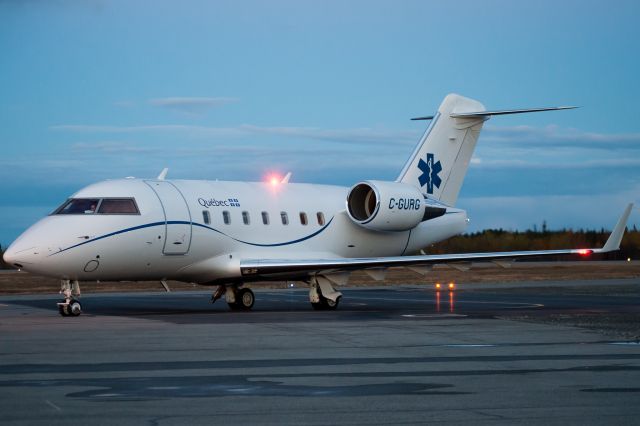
245 218
265 218
284 217
320 217
303 218
206 217
118 206
226 217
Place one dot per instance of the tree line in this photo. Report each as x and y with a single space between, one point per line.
501 240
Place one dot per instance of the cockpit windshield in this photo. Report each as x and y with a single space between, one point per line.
98 206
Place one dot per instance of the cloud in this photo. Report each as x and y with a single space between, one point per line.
111 147
357 135
183 130
516 137
603 163
509 160
555 136
192 105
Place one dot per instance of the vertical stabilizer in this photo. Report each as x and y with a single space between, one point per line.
439 163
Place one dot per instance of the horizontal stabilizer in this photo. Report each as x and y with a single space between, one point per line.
505 112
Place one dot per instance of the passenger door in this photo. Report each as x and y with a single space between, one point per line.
176 216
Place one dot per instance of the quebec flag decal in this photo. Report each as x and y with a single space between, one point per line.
430 171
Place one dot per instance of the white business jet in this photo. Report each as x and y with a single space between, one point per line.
230 233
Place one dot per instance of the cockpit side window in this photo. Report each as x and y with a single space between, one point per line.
79 206
118 206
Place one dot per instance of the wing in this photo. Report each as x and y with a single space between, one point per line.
270 268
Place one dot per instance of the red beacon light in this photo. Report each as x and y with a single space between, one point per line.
273 179
585 252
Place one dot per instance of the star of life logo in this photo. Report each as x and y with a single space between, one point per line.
430 171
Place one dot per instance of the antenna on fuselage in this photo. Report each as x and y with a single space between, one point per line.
286 178
163 173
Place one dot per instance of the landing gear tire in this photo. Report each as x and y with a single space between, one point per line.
74 308
62 310
71 308
326 304
331 305
244 300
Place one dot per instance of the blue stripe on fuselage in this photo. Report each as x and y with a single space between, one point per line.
181 222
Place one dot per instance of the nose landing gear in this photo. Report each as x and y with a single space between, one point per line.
69 306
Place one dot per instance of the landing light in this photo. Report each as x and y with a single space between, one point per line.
452 286
438 286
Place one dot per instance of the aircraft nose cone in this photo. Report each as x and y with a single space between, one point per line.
19 257
8 257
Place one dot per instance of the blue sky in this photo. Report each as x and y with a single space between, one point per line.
234 90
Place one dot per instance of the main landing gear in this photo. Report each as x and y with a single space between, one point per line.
322 295
238 299
69 306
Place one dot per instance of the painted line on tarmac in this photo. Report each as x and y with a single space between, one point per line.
434 316
52 405
469 345
431 301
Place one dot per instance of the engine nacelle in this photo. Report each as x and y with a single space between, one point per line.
385 206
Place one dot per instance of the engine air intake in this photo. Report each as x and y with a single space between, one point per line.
385 206
362 202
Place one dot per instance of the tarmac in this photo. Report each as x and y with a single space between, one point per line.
391 355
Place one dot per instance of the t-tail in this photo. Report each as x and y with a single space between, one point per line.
439 162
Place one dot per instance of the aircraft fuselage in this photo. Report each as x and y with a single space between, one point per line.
197 231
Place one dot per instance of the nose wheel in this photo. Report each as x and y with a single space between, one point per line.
69 306
72 308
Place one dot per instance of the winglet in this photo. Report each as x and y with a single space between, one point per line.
286 178
163 173
613 243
